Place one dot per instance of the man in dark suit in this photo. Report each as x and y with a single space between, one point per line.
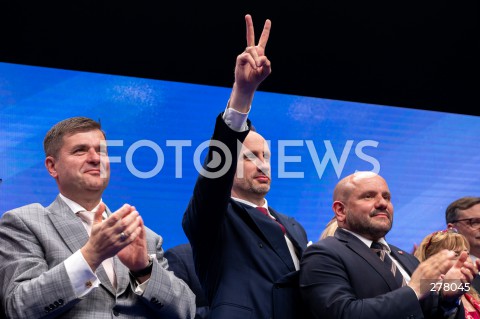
246 260
464 215
342 277
77 259
180 261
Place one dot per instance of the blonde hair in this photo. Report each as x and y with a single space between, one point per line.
329 229
444 239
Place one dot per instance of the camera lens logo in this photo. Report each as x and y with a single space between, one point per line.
216 167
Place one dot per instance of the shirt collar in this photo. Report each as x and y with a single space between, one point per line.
75 207
246 202
369 242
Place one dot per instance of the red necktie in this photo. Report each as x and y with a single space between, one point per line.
265 212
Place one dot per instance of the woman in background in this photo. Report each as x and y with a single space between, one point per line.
329 229
450 239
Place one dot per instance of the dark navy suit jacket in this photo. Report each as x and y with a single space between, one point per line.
180 261
340 277
241 256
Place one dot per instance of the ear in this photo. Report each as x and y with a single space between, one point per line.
450 226
339 210
50 165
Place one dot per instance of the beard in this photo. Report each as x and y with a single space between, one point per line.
260 189
367 227
244 188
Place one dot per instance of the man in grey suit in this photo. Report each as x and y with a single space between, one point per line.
77 259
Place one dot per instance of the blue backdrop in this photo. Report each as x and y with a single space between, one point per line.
156 130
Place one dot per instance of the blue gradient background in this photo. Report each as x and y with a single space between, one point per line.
428 158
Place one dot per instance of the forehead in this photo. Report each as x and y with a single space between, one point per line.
473 211
365 183
92 137
255 142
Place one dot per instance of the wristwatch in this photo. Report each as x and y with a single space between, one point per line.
145 271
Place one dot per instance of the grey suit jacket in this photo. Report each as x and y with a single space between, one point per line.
34 243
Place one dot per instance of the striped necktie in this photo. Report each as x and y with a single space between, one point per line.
382 253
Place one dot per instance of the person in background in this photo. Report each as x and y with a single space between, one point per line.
76 258
450 239
329 229
464 215
357 274
246 253
180 261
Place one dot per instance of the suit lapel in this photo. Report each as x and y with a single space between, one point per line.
401 257
270 233
295 237
358 247
68 225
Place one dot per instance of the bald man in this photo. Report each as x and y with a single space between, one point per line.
343 277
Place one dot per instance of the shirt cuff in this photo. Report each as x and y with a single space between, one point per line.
82 278
140 287
236 120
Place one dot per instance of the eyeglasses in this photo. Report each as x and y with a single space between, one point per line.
472 222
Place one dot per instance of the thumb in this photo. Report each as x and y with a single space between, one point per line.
463 256
98 214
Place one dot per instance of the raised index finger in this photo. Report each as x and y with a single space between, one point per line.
250 31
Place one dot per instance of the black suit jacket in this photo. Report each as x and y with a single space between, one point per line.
241 256
340 277
180 261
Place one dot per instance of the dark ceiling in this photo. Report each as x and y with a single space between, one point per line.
411 54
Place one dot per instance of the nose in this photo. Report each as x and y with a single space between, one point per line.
263 165
93 156
381 202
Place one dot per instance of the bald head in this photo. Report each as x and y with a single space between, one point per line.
345 186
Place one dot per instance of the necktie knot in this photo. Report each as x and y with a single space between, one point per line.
377 246
265 212
86 216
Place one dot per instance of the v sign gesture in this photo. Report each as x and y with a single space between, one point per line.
252 67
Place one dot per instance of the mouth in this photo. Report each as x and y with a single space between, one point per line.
381 215
262 178
93 171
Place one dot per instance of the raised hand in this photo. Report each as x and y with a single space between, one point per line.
430 271
252 67
135 255
462 272
110 236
